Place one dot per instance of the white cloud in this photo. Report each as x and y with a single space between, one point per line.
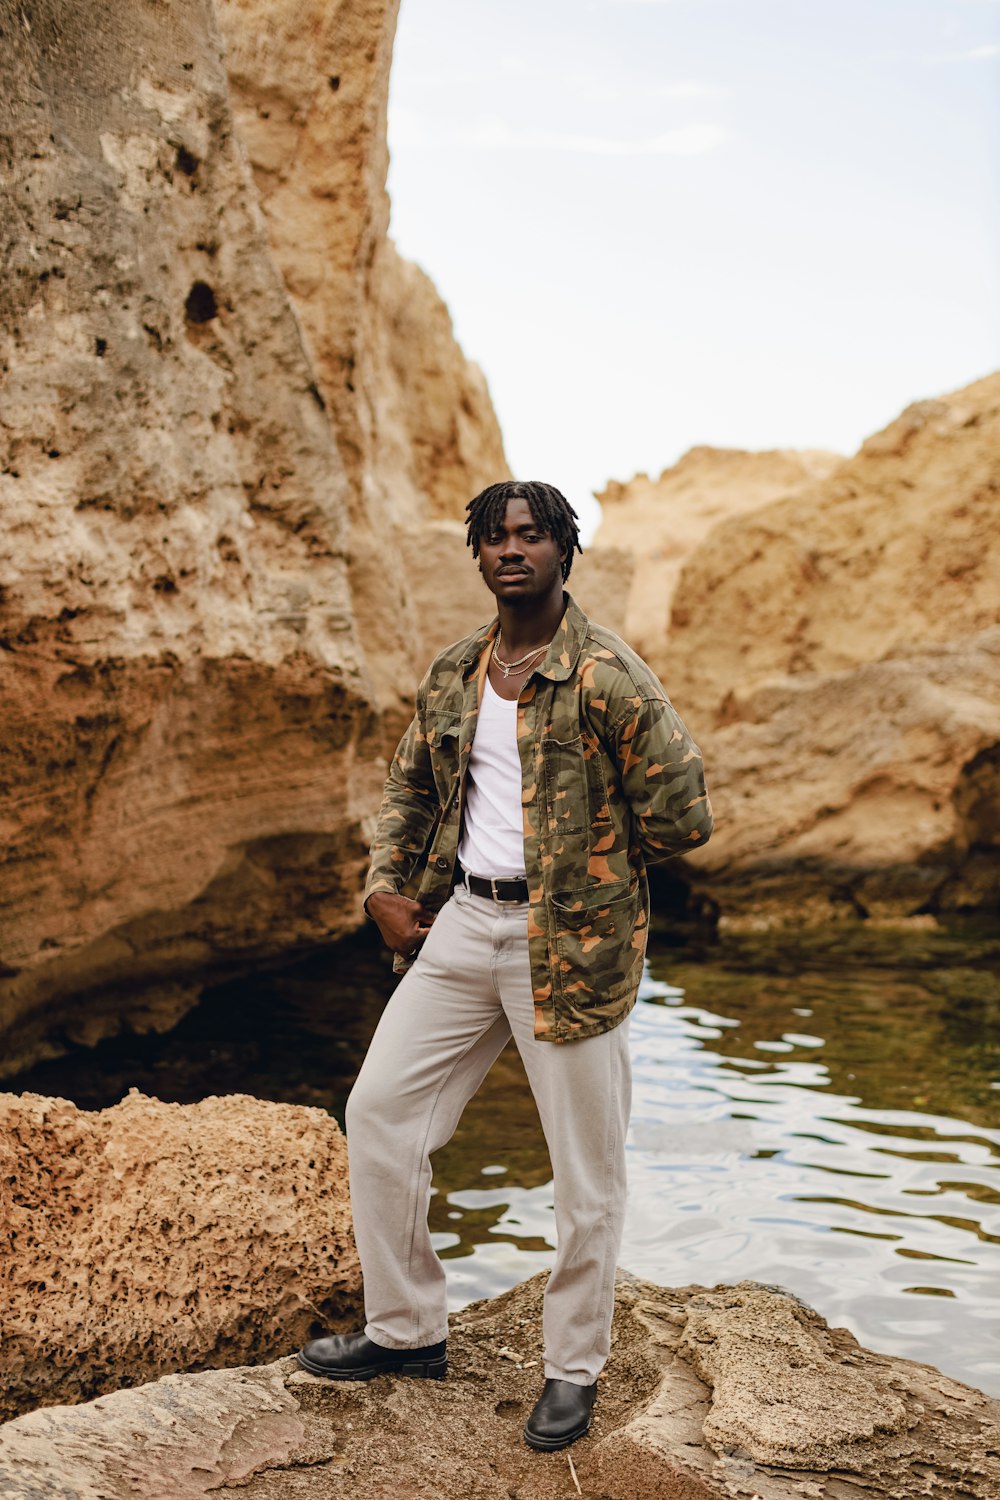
692 88
687 140
406 129
974 54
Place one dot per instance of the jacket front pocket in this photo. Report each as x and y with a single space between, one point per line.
594 941
575 792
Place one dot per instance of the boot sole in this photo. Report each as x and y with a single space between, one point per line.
553 1444
417 1369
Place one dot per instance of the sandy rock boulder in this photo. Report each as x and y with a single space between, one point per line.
899 547
413 418
661 521
309 88
872 793
154 1237
836 654
708 1394
185 696
437 439
204 616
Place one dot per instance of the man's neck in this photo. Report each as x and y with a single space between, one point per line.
531 625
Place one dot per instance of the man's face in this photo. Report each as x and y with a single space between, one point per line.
521 560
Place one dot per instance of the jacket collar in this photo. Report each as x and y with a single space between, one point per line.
559 661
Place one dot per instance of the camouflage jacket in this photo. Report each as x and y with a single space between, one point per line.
611 780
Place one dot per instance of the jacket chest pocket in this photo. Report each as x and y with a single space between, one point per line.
576 796
442 741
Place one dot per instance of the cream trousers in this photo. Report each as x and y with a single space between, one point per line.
444 1026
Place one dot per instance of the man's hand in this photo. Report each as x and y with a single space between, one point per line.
403 923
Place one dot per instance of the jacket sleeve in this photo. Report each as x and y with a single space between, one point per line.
662 778
409 809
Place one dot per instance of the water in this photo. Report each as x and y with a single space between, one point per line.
823 1119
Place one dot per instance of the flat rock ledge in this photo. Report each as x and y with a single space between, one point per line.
738 1391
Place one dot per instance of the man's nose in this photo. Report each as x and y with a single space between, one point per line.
511 547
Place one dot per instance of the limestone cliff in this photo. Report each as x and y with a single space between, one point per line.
900 546
197 475
413 419
865 793
838 654
661 521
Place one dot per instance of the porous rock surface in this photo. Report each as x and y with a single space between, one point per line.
415 427
661 521
869 793
836 655
154 1237
734 1391
898 548
201 658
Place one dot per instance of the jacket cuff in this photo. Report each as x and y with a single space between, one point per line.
376 889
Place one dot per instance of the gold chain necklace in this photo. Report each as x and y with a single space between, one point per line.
507 667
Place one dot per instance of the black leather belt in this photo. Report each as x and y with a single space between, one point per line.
497 888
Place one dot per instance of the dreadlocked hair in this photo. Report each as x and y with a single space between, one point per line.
548 506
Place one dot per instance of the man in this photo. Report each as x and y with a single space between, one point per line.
544 767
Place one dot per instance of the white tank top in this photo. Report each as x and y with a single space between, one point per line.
492 841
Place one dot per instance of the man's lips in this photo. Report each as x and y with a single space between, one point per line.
512 573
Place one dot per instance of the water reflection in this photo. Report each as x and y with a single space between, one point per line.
748 1156
796 1183
825 1120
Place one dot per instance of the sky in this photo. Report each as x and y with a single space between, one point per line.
658 223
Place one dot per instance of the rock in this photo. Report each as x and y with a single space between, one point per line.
866 793
708 1393
836 655
898 548
661 521
600 582
437 439
184 688
414 423
309 86
203 614
778 1391
154 1237
176 1440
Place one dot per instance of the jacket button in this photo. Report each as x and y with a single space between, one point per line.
441 862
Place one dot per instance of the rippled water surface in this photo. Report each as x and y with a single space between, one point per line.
826 1119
